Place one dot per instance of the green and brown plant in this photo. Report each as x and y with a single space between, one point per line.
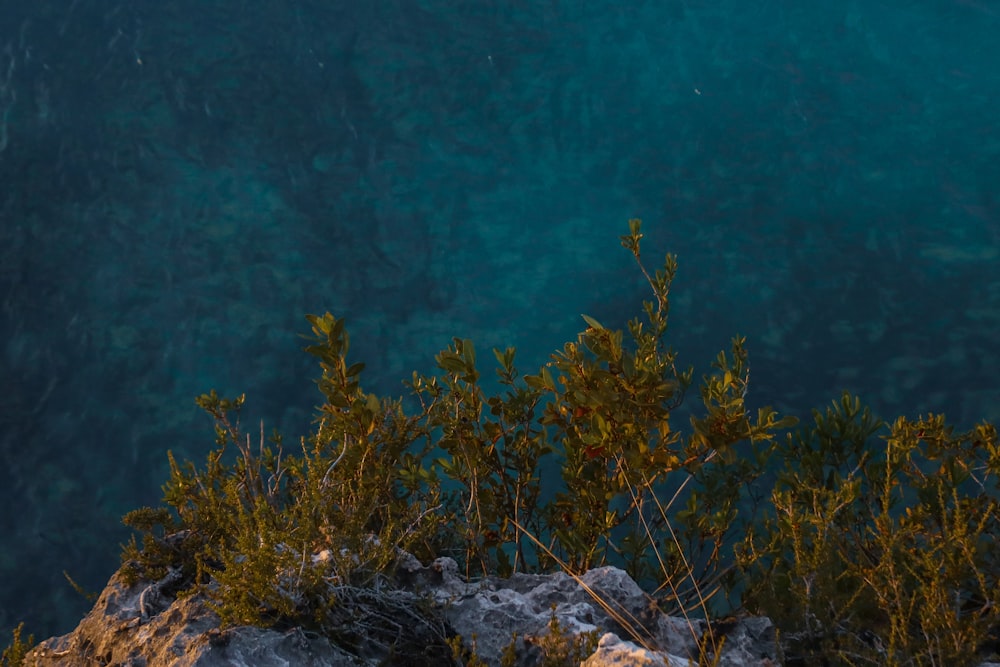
881 550
865 543
17 650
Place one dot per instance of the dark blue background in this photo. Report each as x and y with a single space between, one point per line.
181 181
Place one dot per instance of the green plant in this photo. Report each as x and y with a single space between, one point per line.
492 461
466 655
606 407
878 543
561 647
17 650
881 551
294 537
303 538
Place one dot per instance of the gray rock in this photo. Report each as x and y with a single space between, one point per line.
144 625
631 630
128 628
613 652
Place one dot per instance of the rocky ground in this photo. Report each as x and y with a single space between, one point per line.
143 625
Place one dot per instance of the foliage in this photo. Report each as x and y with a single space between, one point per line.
280 534
881 551
557 647
15 653
605 409
876 545
295 538
561 647
466 652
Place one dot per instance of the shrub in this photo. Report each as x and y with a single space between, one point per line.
17 650
876 545
279 532
881 551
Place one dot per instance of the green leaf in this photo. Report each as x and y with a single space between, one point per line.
505 358
338 400
592 322
316 321
599 424
451 363
634 225
547 381
536 382
470 353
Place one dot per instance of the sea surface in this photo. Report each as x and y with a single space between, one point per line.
182 181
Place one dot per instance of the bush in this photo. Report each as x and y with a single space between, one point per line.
881 551
876 545
277 531
14 654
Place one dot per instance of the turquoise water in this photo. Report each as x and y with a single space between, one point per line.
180 182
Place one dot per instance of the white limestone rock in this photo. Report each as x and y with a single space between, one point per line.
146 626
127 628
